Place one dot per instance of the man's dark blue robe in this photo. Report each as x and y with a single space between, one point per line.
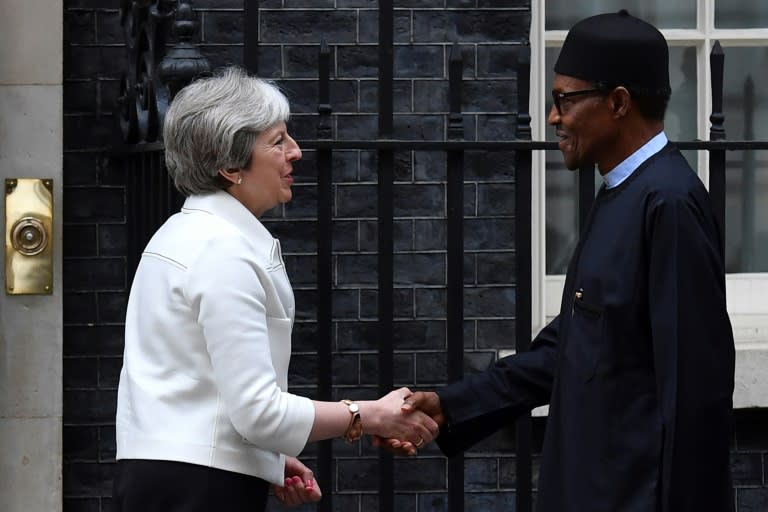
638 367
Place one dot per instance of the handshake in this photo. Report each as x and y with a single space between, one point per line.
413 424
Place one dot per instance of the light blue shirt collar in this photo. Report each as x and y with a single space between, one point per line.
624 170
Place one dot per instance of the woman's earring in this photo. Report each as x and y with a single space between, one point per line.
239 180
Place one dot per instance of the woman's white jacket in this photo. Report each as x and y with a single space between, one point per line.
207 346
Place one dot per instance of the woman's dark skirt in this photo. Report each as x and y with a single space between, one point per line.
168 486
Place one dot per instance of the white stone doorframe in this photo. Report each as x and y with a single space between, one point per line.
31 142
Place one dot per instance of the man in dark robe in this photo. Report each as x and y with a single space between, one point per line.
638 367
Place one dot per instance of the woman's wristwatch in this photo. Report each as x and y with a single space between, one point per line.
355 428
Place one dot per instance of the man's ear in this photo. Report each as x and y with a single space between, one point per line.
231 175
620 101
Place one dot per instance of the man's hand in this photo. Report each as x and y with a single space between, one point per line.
427 402
300 484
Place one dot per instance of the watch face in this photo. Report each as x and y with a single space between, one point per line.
354 408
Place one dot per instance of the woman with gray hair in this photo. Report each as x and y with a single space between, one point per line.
204 418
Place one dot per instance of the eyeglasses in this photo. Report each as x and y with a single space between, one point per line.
557 97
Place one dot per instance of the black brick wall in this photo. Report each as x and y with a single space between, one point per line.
95 281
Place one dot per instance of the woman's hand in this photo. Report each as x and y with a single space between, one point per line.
385 418
300 484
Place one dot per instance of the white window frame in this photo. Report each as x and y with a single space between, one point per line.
747 293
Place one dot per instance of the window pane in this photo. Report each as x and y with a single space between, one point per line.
741 14
561 204
746 117
563 14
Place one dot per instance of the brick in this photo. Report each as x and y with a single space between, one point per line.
108 27
357 474
302 95
306 304
109 372
496 267
480 474
344 96
419 127
87 479
356 201
80 372
79 240
496 199
419 269
79 308
346 304
301 269
82 505
499 3
358 335
429 234
489 501
109 92
79 168
302 61
90 61
489 96
368 24
489 234
314 4
99 4
430 302
221 55
346 165
429 165
269 62
419 200
93 204
79 27
470 200
222 27
430 96
496 127
470 268
433 502
90 406
345 235
419 335
80 96
304 336
488 302
415 474
93 340
752 500
423 61
94 273
472 25
401 297
303 370
357 127
224 4
431 368
357 61
419 3
335 26
346 369
88 131
497 60
496 334
477 362
113 239
112 306
295 236
357 3
80 443
489 165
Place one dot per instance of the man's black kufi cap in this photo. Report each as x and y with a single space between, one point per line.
617 49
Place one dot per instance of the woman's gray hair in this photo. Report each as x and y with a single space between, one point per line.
212 125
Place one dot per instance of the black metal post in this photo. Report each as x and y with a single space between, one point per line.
523 169
455 285
325 270
386 160
717 132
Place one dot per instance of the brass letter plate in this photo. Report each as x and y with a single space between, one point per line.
28 236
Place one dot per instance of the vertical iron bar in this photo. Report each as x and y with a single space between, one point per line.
251 36
386 159
717 132
129 164
523 205
324 270
455 306
748 184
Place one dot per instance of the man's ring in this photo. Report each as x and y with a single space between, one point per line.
419 443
